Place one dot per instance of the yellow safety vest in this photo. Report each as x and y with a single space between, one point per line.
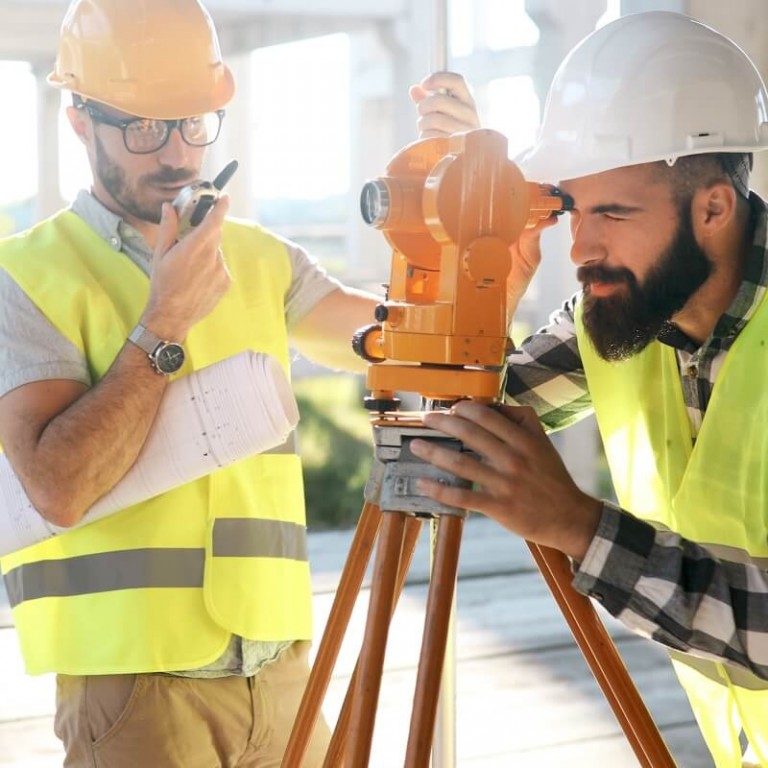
714 493
163 585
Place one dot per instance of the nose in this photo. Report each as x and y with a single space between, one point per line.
587 247
175 152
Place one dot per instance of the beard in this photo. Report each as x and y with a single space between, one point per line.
622 325
113 178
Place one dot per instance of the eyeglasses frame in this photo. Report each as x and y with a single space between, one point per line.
99 116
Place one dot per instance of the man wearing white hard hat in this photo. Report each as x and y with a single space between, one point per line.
650 126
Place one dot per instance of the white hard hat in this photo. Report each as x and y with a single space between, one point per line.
646 87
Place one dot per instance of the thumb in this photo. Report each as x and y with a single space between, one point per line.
169 229
417 93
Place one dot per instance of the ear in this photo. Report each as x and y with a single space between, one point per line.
713 208
81 124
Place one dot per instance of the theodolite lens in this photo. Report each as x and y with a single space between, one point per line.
374 202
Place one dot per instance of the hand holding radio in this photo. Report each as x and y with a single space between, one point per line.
194 202
189 275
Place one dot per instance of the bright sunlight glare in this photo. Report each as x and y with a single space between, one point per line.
301 117
18 137
300 108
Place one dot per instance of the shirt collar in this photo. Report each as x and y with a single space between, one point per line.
109 226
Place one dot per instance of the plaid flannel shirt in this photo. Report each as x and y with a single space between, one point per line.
657 583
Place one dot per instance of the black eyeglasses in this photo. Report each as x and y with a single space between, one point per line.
143 135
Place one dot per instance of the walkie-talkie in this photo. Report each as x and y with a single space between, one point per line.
195 200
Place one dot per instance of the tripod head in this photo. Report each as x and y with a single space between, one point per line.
450 208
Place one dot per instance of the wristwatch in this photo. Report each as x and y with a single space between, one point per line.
166 357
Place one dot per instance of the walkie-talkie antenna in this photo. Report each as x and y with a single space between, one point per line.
225 175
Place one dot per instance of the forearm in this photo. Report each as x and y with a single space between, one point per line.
324 335
86 449
677 592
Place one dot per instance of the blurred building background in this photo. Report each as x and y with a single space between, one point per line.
322 106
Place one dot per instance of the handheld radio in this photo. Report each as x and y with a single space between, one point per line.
195 200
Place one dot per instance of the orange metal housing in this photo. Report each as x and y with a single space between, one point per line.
452 209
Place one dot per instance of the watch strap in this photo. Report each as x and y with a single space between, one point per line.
143 338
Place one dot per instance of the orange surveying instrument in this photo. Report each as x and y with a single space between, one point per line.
451 208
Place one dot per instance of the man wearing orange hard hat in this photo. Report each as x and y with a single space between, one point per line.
179 628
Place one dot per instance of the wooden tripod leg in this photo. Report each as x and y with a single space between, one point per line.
368 683
335 755
604 660
338 620
436 622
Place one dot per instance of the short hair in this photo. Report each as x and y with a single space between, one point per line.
692 172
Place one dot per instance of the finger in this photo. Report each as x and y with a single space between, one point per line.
208 232
475 437
169 229
445 101
417 94
501 420
497 436
453 496
436 106
466 416
452 82
550 221
457 463
217 214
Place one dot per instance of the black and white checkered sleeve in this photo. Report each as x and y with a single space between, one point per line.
677 592
546 372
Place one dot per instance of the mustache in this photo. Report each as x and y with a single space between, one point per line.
601 274
171 176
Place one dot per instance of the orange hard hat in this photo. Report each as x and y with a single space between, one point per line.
151 58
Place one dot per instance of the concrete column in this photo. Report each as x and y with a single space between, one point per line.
371 148
49 199
386 60
235 141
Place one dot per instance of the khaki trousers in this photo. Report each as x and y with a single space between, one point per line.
163 721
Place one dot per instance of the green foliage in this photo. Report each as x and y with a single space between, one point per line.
336 448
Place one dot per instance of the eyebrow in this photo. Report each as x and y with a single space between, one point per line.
623 210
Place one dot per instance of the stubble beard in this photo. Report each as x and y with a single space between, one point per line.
113 179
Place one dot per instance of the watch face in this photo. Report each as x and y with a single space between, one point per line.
169 358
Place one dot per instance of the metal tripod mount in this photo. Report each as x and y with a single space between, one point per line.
394 513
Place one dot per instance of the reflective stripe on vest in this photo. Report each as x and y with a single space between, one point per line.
156 567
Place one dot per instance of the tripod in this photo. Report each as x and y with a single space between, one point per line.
393 514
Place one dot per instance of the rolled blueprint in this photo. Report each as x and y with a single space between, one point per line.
233 409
